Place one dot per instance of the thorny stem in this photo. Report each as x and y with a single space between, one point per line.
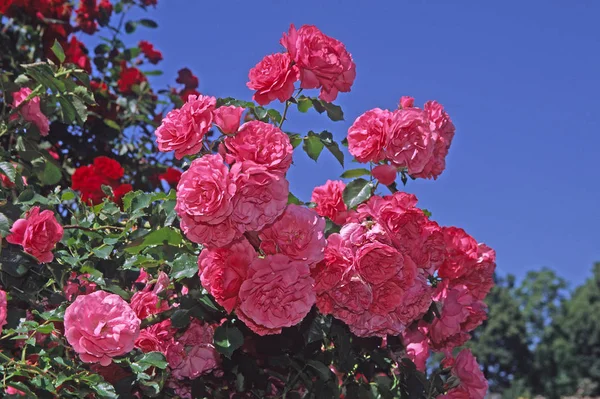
93 229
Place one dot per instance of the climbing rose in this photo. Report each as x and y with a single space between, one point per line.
129 77
38 233
273 78
76 53
323 61
222 271
410 140
193 353
417 348
407 102
298 233
329 201
183 129
187 78
89 179
368 134
228 118
261 196
156 338
473 384
78 285
278 292
171 176
3 309
385 174
260 143
147 303
108 167
30 111
153 55
100 326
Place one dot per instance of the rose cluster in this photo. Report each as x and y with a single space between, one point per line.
89 179
411 139
317 60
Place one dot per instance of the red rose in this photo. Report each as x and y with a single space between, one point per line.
153 55
129 77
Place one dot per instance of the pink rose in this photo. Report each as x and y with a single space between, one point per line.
386 174
183 130
273 78
210 235
100 326
329 201
261 143
278 293
222 271
368 135
204 195
38 233
417 348
31 111
473 384
298 233
147 303
228 118
323 61
407 102
337 262
78 285
193 353
3 309
410 142
14 391
156 338
377 262
442 134
261 196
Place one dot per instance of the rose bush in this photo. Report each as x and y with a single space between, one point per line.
152 248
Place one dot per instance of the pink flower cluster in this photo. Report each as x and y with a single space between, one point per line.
38 233
217 204
473 384
275 291
183 129
412 139
317 60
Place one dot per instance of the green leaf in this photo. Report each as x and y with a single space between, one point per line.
292 199
4 225
332 146
103 252
102 48
321 369
185 266
181 318
15 262
58 51
357 192
67 196
355 173
130 26
147 360
313 145
9 170
274 115
227 339
334 112
136 200
295 139
43 74
148 23
304 104
426 212
51 174
105 390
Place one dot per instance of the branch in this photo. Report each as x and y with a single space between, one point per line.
93 229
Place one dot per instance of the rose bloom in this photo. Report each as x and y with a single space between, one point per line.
183 129
329 201
3 309
129 77
227 118
156 338
38 233
323 61
409 142
277 293
442 134
222 271
261 143
368 135
30 111
210 235
205 190
260 198
298 233
385 174
76 53
108 167
78 285
407 102
473 384
377 262
337 262
153 55
100 326
193 353
417 348
187 78
147 303
273 78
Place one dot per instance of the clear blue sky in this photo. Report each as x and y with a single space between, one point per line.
520 79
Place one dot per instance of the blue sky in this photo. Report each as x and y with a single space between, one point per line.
520 80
